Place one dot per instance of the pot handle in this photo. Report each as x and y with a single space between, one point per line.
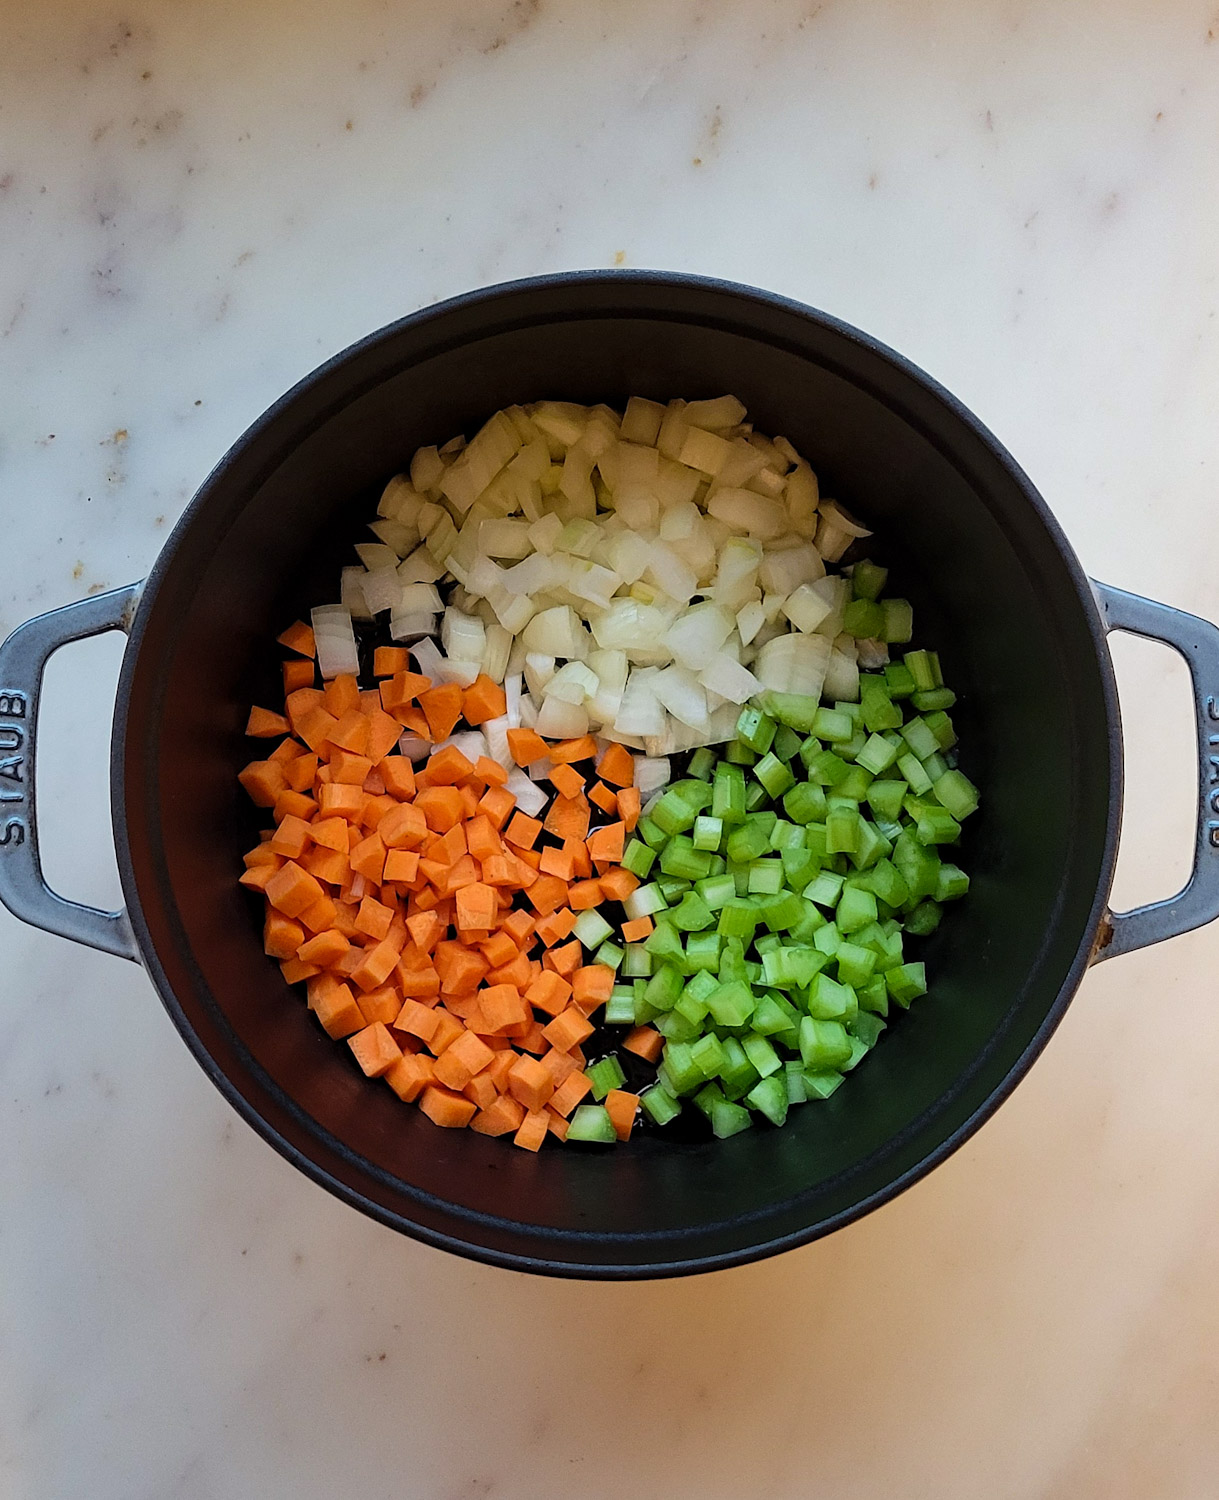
23 658
1198 642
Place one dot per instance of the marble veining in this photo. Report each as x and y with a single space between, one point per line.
197 205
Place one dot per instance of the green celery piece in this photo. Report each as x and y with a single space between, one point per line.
804 803
872 846
843 831
920 739
770 1019
765 877
708 833
738 919
739 1074
769 1098
898 680
785 835
814 839
679 857
879 710
675 1026
868 579
957 793
732 961
873 996
605 1074
824 1045
854 785
849 749
702 763
767 943
794 711
651 833
716 890
941 726
906 983
636 962
737 753
885 881
933 699
827 939
828 1000
638 858
885 799
787 743
863 619
811 921
707 1096
591 928
591 1123
755 729
793 1075
832 724
936 825
919 866
877 755
760 1053
664 987
690 1008
609 954
924 919
924 667
855 964
897 621
691 914
753 972
701 984
672 887
783 911
620 1009
683 1075
866 1027
673 814
707 1054
799 867
749 842
773 774
728 794
703 952
856 908
659 1105
727 1119
826 768
935 766
953 883
825 890
859 1050
821 1083
912 769
731 1004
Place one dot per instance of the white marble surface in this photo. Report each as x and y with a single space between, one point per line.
197 204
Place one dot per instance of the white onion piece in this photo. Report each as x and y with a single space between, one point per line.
351 593
697 635
414 748
651 775
539 669
512 696
335 640
461 672
496 651
794 664
640 712
420 567
682 695
781 572
530 798
411 627
496 731
806 608
727 678
375 555
472 743
428 658
759 515
572 683
561 721
463 636
872 654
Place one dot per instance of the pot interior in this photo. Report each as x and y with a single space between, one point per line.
995 590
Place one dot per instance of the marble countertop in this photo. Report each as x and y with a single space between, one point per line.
197 205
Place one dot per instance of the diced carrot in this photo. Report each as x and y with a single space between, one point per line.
331 833
442 706
460 968
607 843
645 1042
490 771
499 949
405 827
398 774
565 960
300 771
481 1088
519 926
556 1124
299 637
568 1094
556 862
549 992
265 725
571 750
320 915
445 1108
499 870
502 1117
380 1005
526 745
349 770
530 1082
446 768
459 1062
375 1050
483 700
287 750
368 858
295 805
556 926
351 733
567 781
384 732
386 660
497 803
617 766
581 865
449 847
338 1012
340 801
568 818
328 865
418 984
294 971
629 807
448 1029
425 929
315 727
281 936
292 837
341 694
618 883
263 854
637 930
603 797
547 894
502 1005
592 986
523 831
402 689
410 1075
419 1020
292 890
376 966
585 895
560 1065
263 780
568 1029
374 918
401 865
324 949
532 1130
621 1108
298 674
441 806
482 840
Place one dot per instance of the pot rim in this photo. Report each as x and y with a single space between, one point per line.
741 295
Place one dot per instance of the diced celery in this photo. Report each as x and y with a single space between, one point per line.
855 964
769 1098
831 724
672 888
804 803
952 885
591 1123
866 1027
856 908
592 929
933 699
638 858
919 738
843 831
899 680
755 729
863 619
792 710
906 983
636 961
707 1054
828 1000
707 1097
879 710
728 1119
702 763
782 911
874 996
859 1050
716 890
738 919
823 1044
683 1075
936 825
765 877
885 798
828 939
703 952
814 840
924 919
877 755
957 793
868 579
665 946
609 954
941 726
604 1075
659 1105
756 796
651 833
924 667
664 987
679 857
884 880
825 890
912 769
749 842
732 1003
728 794
620 1008
761 1054
793 1077
826 768
691 914
897 621
738 753
820 1084
708 831
738 1075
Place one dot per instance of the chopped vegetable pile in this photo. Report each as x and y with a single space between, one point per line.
486 866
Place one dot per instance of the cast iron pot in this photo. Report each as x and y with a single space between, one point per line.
995 587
